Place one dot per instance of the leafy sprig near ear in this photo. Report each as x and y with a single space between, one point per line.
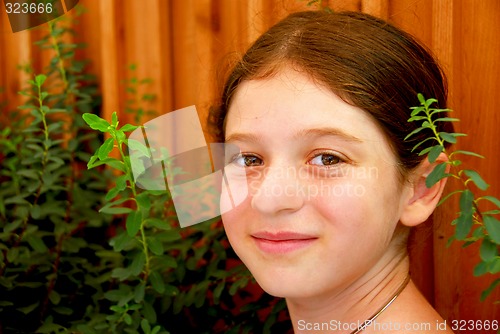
472 224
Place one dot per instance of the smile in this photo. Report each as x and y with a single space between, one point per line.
282 242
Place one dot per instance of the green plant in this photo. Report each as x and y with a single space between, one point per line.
165 269
49 227
135 103
472 224
64 266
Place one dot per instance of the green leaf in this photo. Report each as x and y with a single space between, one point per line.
414 132
493 227
488 250
492 199
416 118
115 211
35 211
437 174
135 145
138 264
494 267
464 224
155 246
121 273
416 111
218 291
29 308
128 128
466 200
121 241
158 223
112 193
146 327
114 163
143 201
448 137
434 153
149 312
447 119
127 318
466 153
133 223
422 142
476 178
36 243
480 269
49 327
114 119
157 282
171 290
105 149
40 79
139 293
95 122
425 151
448 196
92 159
421 98
435 111
63 310
487 292
121 182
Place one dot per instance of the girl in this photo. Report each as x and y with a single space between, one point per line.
318 107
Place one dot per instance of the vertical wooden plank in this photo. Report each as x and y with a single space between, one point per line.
89 32
414 17
191 47
465 40
166 84
109 57
378 8
351 5
17 52
143 44
446 280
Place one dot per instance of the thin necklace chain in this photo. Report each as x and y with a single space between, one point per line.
367 322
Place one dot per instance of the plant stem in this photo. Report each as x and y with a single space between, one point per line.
60 61
134 192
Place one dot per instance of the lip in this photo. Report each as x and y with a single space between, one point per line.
282 242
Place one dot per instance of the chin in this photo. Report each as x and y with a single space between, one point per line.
285 285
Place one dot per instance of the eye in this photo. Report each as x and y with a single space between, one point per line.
247 160
326 159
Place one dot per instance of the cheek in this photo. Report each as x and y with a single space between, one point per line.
234 220
358 206
343 204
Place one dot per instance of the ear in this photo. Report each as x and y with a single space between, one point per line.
421 201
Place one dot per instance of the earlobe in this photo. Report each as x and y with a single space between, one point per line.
421 201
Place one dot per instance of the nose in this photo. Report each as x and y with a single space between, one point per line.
278 190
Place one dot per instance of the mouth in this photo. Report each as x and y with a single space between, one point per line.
282 242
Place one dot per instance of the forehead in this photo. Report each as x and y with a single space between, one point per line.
290 103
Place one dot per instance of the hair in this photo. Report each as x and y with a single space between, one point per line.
364 60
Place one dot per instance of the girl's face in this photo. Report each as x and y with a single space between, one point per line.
323 197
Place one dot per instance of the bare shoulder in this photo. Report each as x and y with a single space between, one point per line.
409 314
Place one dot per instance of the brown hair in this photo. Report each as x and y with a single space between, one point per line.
364 60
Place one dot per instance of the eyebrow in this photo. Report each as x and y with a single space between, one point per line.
314 132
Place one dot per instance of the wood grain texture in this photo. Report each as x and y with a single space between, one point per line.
186 46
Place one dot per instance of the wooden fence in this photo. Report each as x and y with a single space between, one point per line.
181 45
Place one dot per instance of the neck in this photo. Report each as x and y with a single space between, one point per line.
354 303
